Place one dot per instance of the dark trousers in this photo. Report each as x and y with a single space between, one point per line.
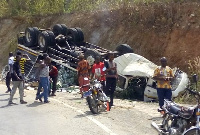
53 84
110 88
104 86
163 94
8 79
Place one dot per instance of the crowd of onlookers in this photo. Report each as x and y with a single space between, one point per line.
105 72
46 75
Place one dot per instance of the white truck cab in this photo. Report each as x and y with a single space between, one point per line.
132 66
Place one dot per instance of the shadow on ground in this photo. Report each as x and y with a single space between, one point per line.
5 94
34 104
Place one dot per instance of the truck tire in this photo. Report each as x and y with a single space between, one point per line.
43 41
52 38
123 49
73 34
80 34
57 29
30 37
37 32
90 56
65 29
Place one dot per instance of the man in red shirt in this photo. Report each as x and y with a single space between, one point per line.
53 73
98 71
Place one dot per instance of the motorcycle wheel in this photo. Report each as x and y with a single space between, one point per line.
93 104
194 131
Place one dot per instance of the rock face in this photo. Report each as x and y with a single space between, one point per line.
152 31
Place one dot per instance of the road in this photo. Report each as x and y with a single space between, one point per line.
68 114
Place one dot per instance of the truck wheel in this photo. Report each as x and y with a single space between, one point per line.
81 35
123 49
57 29
30 37
65 29
37 32
90 56
52 38
43 41
73 34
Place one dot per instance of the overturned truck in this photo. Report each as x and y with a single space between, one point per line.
64 45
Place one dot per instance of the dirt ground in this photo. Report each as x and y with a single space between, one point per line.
153 30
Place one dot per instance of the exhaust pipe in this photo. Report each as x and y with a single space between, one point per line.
156 126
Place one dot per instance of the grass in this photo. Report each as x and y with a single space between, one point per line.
193 68
47 7
31 7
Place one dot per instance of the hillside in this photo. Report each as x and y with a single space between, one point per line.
152 30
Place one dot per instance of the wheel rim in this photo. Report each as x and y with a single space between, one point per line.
28 36
90 60
42 41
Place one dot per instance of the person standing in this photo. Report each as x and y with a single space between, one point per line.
40 61
98 72
83 73
54 77
111 76
17 82
23 60
8 76
44 79
163 75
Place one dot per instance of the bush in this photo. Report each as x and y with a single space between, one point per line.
31 7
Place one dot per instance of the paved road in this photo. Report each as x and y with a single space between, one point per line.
69 114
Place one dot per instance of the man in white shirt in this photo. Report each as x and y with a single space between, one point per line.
10 65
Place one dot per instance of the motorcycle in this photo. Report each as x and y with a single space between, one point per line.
179 120
96 98
195 129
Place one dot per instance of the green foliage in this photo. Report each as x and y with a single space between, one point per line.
193 68
46 7
3 8
31 7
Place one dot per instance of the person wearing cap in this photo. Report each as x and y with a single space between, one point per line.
163 75
8 76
